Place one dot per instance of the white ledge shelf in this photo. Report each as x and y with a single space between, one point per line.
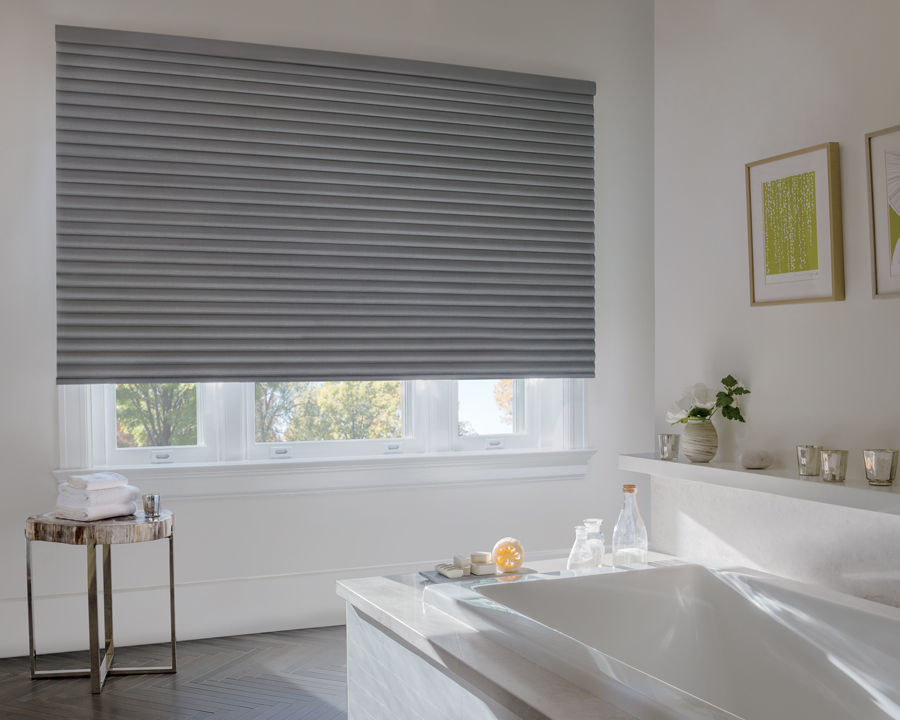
854 493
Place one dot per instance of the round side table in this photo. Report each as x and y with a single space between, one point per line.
114 531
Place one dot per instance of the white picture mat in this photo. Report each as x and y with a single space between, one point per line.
884 282
797 289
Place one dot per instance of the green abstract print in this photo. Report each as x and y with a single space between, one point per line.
789 220
892 166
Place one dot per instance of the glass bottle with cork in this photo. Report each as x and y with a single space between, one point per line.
629 540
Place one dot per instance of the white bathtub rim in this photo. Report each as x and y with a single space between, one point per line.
629 688
463 602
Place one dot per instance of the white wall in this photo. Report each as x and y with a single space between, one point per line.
270 563
737 82
742 81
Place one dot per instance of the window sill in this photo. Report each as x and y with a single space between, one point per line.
298 477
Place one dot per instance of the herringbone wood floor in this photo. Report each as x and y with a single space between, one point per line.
272 676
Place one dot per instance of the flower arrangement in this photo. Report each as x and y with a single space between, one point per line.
701 403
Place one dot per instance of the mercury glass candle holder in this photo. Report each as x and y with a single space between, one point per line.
151 505
834 465
809 459
881 466
668 447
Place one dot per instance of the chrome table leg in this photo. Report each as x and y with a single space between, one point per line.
31 651
93 624
172 592
107 605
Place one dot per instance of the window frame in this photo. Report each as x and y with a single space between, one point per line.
507 441
427 459
104 432
323 449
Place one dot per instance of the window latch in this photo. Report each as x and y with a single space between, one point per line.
162 456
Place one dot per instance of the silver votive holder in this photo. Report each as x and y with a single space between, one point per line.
151 505
834 465
809 459
668 446
881 466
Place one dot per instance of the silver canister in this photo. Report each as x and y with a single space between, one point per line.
809 459
881 466
668 446
834 465
151 505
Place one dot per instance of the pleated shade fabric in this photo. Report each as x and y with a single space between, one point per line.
237 212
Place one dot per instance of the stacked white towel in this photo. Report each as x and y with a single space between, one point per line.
97 481
96 497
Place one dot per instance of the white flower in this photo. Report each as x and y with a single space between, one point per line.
701 396
679 411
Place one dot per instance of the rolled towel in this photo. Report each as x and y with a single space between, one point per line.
98 512
97 481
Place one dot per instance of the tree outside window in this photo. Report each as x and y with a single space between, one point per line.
300 412
156 414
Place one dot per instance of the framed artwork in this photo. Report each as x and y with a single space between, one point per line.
883 170
794 226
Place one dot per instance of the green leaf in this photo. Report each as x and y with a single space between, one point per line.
698 412
732 413
740 391
723 399
729 382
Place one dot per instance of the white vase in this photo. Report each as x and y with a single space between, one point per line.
700 441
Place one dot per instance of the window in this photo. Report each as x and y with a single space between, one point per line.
322 411
149 423
325 419
491 407
493 414
182 423
341 216
156 415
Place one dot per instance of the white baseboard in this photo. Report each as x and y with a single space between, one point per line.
214 608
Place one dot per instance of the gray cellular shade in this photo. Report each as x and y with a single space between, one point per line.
237 212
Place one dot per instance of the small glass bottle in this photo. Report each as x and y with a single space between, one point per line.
629 540
581 557
596 541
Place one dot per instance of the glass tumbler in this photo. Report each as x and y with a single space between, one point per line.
809 459
881 466
668 447
834 465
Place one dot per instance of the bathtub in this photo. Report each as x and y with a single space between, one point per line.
688 640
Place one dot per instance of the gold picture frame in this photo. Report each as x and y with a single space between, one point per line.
789 211
881 177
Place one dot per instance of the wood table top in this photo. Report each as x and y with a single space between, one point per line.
112 531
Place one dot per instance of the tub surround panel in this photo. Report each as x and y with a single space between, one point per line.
847 549
493 674
389 680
